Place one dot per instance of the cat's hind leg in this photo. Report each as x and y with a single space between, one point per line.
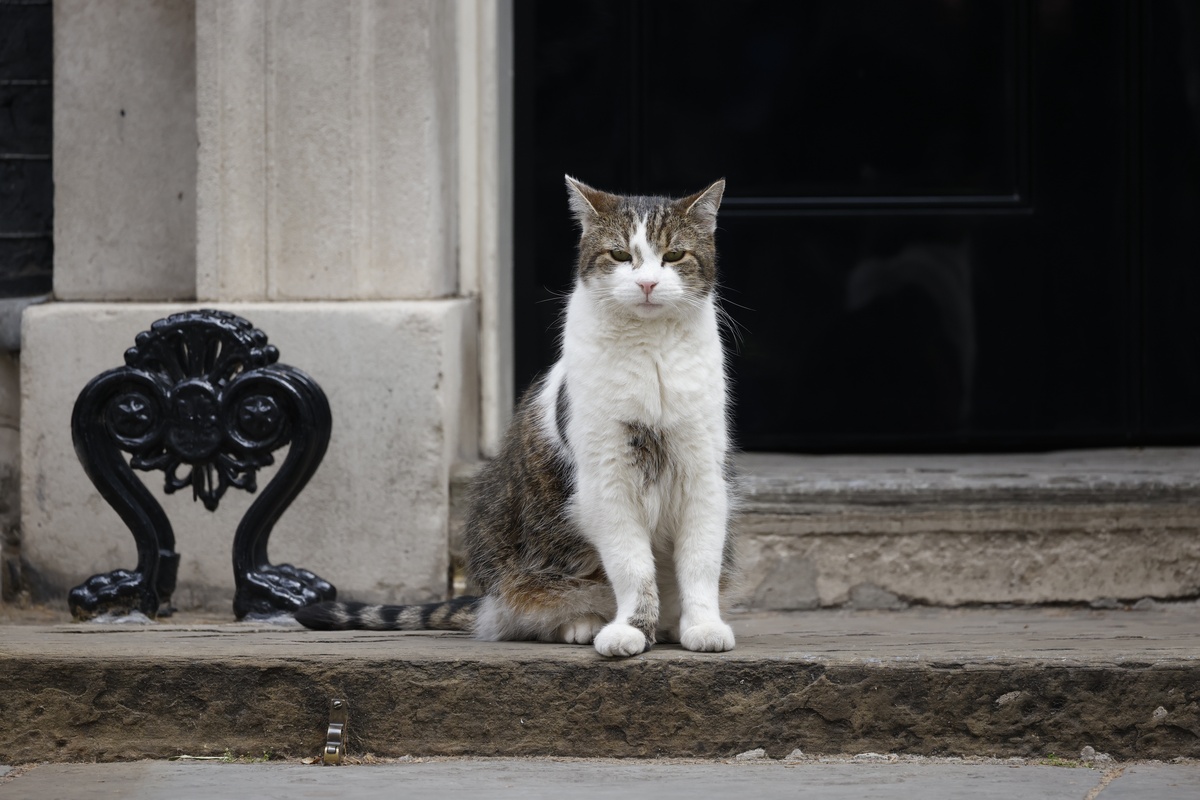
546 608
581 630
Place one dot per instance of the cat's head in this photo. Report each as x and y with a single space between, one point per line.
646 256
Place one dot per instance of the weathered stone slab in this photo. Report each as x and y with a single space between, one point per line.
1013 683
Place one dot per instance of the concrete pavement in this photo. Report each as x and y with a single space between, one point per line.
535 779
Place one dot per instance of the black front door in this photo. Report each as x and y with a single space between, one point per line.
949 224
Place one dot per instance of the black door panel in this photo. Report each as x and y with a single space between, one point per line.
932 236
1169 248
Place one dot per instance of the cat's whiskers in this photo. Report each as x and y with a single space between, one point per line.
556 295
736 329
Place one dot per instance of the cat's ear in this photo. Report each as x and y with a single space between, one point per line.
587 203
703 206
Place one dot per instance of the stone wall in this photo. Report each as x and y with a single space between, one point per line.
295 162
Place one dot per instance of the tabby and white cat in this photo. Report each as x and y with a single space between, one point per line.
605 518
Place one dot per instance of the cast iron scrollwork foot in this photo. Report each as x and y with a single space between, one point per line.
123 591
275 588
119 592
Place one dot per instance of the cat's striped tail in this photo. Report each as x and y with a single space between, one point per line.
452 615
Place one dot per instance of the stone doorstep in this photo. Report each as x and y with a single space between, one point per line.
960 682
1081 526
883 531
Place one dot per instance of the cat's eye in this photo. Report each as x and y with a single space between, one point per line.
620 255
671 256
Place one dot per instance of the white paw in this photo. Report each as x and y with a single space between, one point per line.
580 631
708 637
620 640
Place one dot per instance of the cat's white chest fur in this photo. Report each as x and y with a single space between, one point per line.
663 373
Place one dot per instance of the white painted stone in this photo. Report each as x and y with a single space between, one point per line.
400 380
327 150
231 191
485 188
124 150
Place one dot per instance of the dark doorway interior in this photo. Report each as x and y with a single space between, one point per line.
26 182
948 225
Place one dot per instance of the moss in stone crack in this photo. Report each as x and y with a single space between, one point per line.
246 758
1051 760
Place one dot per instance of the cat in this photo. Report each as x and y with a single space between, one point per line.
605 518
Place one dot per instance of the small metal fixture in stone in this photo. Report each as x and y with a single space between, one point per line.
335 736
201 393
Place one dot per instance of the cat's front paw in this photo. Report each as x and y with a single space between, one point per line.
708 637
620 640
582 630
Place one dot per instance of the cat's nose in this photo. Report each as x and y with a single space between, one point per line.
647 285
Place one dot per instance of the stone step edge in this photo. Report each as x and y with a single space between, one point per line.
81 708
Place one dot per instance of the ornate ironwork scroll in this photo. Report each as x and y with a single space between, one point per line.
202 398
